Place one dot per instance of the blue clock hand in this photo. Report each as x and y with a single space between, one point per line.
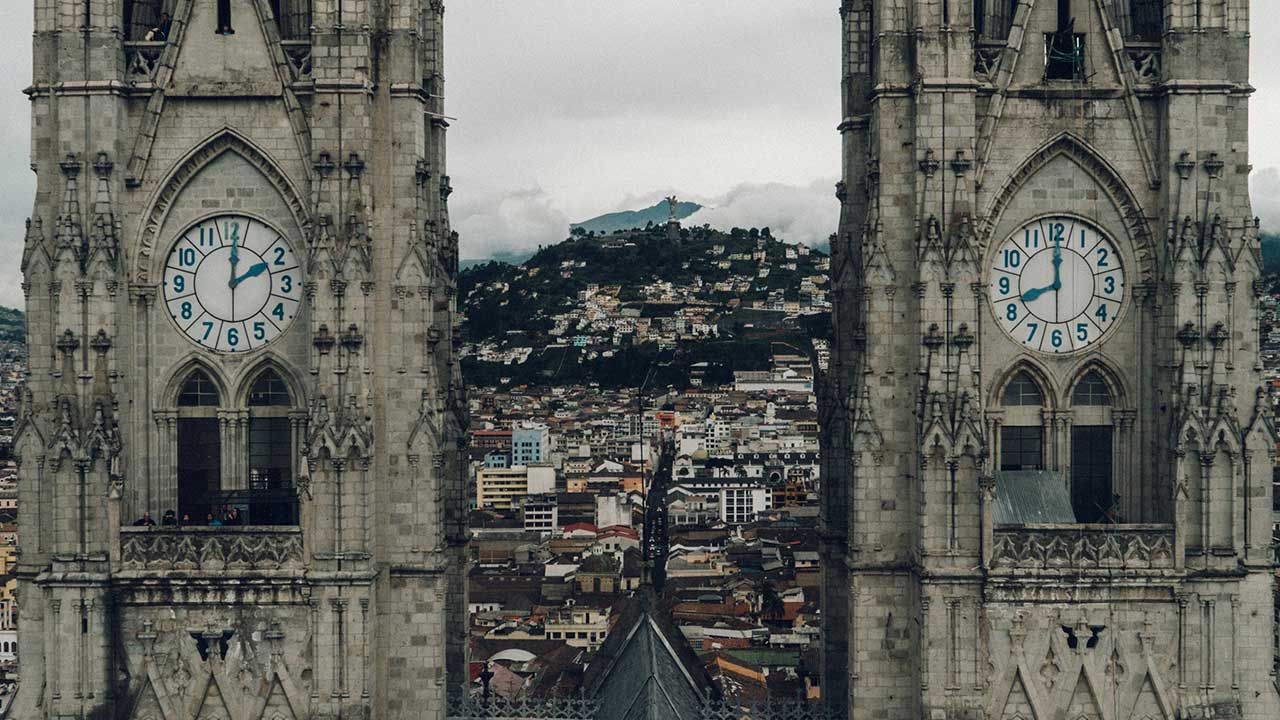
1057 263
235 258
1037 292
254 271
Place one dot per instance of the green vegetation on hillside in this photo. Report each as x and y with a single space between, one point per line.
649 276
13 325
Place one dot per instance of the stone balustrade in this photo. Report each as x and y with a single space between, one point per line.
142 58
211 549
1083 547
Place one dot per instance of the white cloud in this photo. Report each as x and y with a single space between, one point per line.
796 213
1264 188
495 221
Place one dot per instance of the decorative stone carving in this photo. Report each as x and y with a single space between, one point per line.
1084 547
210 549
986 62
142 58
1146 63
298 53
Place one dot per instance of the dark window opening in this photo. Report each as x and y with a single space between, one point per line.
199 467
1064 55
1141 20
1022 448
198 391
269 497
293 18
1091 390
147 20
269 390
992 19
1092 495
224 18
1022 390
270 454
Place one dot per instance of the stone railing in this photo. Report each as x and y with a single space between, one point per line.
1145 59
497 708
298 53
141 59
211 549
1083 547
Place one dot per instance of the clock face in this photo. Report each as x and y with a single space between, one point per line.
232 283
1057 284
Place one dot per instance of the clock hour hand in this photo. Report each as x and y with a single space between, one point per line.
254 271
1034 293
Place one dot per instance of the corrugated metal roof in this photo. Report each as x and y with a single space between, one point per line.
1024 497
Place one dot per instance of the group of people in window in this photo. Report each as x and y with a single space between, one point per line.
1022 441
266 496
227 515
150 19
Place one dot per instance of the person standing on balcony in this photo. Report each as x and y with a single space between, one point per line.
160 32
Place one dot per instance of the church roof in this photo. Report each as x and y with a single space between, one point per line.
646 668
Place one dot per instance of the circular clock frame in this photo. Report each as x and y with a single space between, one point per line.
232 283
1063 303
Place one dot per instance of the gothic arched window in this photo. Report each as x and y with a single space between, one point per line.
270 450
1023 391
199 456
1022 434
1092 390
1092 450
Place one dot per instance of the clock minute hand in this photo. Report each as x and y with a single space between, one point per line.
1057 263
254 271
235 258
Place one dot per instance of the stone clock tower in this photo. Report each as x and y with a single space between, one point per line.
240 285
1048 447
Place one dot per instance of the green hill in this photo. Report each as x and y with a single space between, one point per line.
1270 252
540 305
13 325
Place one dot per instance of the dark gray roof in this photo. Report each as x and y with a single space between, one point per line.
646 668
1025 497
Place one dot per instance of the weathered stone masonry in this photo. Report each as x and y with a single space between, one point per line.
333 134
956 132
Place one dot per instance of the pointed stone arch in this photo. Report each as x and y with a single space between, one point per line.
273 362
183 370
1114 381
1085 156
1025 364
223 141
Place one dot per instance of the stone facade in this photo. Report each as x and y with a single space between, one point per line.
961 124
334 137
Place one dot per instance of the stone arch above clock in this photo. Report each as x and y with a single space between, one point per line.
226 172
1068 175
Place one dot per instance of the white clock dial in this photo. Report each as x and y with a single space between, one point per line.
1057 284
232 283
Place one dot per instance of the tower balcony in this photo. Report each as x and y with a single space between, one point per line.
1082 549
211 549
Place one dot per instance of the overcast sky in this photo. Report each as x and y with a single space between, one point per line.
566 109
